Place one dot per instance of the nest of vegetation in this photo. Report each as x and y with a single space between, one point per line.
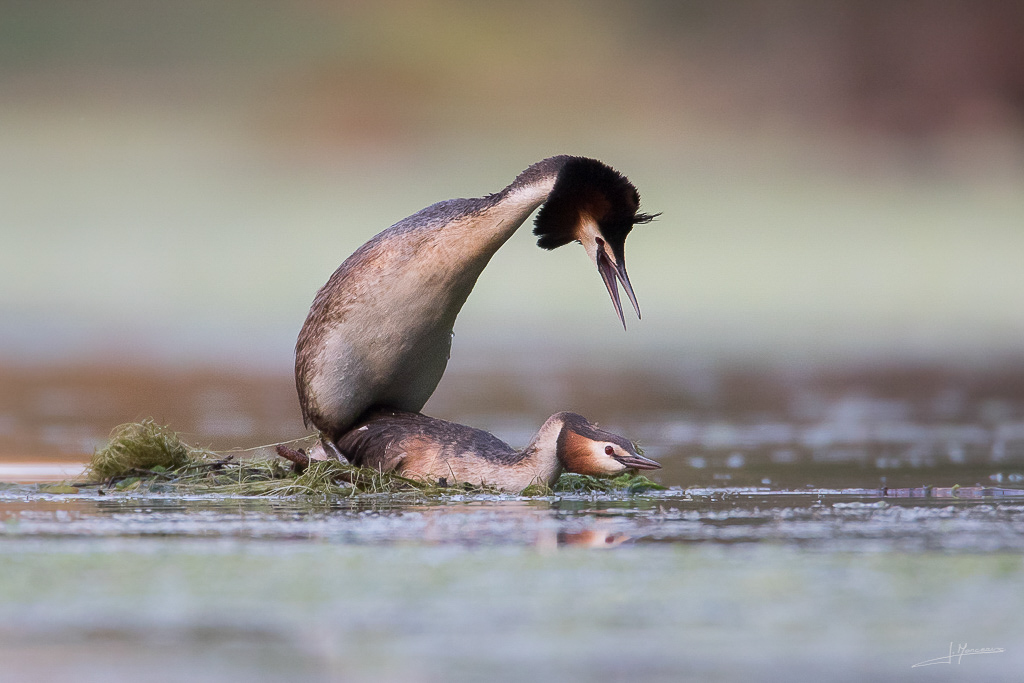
145 455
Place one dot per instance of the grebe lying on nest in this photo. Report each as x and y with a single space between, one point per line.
428 449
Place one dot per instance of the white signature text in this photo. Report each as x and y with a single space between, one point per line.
958 653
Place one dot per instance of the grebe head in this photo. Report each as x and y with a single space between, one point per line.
585 449
597 206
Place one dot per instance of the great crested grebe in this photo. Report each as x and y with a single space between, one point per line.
379 333
426 448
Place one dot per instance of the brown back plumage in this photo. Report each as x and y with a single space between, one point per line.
380 439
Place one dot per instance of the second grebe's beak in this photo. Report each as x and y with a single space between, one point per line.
611 271
637 462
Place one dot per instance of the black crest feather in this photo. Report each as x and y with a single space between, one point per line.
574 422
588 187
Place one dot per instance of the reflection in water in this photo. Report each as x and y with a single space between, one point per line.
982 519
595 538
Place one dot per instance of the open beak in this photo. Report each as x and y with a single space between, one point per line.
610 272
637 462
624 279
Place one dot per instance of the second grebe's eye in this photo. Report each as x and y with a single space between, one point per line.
608 450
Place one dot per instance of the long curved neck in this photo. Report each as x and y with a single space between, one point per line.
542 453
459 253
485 231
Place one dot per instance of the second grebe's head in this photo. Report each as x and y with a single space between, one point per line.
595 205
585 449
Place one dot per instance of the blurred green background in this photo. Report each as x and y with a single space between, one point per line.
838 181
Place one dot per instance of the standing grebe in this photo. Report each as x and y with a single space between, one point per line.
425 448
379 333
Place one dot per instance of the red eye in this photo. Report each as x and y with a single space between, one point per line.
608 450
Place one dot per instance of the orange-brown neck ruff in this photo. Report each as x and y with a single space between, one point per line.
577 443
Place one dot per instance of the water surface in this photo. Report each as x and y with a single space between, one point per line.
815 526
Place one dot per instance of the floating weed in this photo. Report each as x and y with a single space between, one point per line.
538 490
142 446
321 478
151 457
636 483
584 483
58 488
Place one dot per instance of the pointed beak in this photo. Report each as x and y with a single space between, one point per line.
638 462
612 274
624 279
608 273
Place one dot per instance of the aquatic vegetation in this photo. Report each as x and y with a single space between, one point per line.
140 447
631 482
145 455
58 488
